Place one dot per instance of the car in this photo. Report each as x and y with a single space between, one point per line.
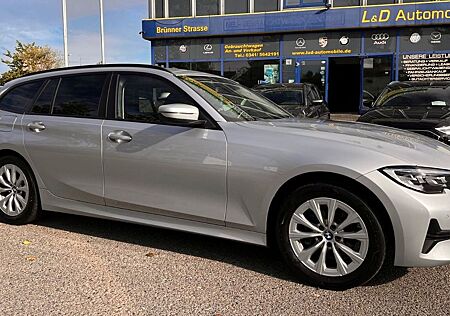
200 153
418 106
299 99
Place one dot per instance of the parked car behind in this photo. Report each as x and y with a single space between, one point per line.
299 99
201 153
421 107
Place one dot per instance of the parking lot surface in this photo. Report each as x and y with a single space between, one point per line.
79 266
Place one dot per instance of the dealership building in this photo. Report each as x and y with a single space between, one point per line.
349 48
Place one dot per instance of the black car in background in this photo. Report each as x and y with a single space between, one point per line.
299 99
419 106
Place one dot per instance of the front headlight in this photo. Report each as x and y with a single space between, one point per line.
426 180
444 129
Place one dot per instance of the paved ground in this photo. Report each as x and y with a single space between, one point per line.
79 266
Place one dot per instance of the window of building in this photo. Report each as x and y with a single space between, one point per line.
302 3
180 8
207 7
234 6
346 3
44 102
372 2
79 96
18 99
253 72
209 67
267 5
139 97
159 9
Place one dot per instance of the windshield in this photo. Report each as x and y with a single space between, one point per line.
415 97
234 101
284 97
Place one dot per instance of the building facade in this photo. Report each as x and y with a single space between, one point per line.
349 48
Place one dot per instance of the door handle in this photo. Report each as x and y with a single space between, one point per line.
120 137
36 127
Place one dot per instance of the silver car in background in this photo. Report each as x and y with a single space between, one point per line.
201 153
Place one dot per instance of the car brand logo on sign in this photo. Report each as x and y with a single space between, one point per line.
183 48
208 49
380 38
436 37
300 42
344 40
415 38
323 41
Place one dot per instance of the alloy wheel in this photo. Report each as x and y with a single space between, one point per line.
14 190
328 237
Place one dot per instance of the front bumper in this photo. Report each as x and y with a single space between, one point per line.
418 241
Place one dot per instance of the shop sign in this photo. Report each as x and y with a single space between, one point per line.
408 14
251 47
425 39
380 41
343 43
425 67
196 49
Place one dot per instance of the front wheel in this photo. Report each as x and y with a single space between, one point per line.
330 237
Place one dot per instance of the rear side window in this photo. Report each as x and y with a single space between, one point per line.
43 103
79 96
19 98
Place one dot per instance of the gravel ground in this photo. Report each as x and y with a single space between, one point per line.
79 266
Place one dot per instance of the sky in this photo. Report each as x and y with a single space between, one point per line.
40 21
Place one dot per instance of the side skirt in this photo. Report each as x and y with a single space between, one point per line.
53 203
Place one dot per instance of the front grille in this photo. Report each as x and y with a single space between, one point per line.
434 236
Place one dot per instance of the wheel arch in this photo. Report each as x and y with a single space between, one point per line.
338 180
10 152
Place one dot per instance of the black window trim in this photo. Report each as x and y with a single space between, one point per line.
103 98
113 102
13 87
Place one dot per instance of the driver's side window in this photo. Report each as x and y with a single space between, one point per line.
140 96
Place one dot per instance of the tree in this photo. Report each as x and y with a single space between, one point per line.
28 58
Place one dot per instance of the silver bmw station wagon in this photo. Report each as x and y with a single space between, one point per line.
201 153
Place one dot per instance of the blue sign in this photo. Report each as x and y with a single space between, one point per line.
305 20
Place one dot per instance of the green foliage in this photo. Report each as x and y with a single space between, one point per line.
28 58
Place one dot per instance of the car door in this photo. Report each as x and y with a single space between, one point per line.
151 166
62 135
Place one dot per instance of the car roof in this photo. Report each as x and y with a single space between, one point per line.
106 67
395 85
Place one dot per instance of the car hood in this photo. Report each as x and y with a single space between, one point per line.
406 147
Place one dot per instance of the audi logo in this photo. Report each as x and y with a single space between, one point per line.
380 37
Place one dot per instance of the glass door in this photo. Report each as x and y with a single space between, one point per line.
313 71
377 74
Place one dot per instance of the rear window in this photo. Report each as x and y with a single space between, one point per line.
19 98
285 97
428 96
79 96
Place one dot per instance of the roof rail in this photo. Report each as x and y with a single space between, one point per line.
94 66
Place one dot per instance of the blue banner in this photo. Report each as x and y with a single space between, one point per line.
418 14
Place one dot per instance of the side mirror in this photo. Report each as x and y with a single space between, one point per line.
179 111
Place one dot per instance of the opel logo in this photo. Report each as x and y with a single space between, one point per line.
208 47
380 37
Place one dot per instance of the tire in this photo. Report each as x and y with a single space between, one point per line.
19 201
323 259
